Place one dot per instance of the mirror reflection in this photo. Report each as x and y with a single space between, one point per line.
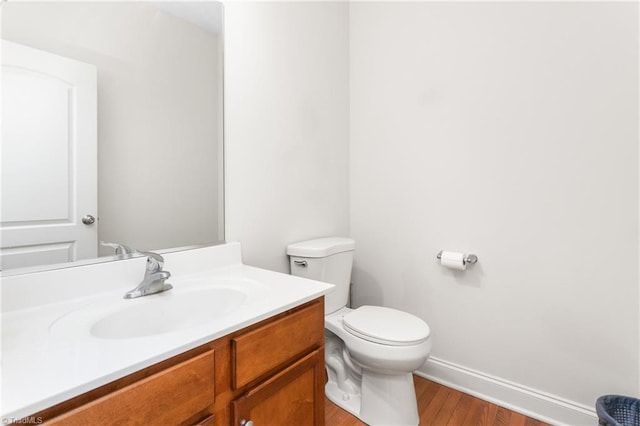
111 128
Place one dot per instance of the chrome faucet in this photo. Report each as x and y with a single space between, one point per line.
122 251
154 278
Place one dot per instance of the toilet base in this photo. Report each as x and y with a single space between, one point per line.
347 401
386 400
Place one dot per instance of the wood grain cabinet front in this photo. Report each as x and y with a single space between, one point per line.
258 352
169 397
288 398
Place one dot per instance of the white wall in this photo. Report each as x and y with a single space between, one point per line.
158 124
508 130
286 126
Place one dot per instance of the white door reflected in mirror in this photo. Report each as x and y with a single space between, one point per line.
49 164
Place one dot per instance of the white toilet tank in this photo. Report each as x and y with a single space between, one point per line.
328 260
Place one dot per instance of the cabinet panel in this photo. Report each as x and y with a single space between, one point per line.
209 421
168 397
257 352
292 397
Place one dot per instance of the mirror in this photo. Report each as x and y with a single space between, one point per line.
111 129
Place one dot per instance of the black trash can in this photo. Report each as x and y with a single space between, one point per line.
618 410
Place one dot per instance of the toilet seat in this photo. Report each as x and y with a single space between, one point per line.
386 326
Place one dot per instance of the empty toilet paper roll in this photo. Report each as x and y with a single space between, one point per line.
453 260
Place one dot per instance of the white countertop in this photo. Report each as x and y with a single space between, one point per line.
45 362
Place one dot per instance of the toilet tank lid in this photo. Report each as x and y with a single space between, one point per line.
321 247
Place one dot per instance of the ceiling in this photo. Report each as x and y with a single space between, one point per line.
205 14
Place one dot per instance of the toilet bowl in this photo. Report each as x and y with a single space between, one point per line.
371 351
385 394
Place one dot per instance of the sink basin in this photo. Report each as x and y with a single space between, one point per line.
166 312
184 308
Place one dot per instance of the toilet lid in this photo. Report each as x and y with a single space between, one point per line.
386 326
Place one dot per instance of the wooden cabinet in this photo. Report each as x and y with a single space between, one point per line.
274 344
288 398
167 397
271 373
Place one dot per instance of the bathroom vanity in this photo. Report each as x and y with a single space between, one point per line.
259 357
269 373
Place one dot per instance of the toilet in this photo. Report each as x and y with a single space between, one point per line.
371 351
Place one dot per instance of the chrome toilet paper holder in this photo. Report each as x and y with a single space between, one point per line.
468 258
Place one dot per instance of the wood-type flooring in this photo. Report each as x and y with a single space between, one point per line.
442 406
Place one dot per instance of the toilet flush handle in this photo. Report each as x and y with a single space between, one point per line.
301 263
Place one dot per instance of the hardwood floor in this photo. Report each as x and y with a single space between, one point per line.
440 405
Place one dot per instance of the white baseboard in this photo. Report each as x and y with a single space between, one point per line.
530 402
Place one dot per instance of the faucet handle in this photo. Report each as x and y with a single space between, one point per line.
155 262
121 249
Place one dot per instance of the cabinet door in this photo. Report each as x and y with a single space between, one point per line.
166 398
295 396
270 347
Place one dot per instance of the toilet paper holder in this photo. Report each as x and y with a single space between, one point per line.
468 258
